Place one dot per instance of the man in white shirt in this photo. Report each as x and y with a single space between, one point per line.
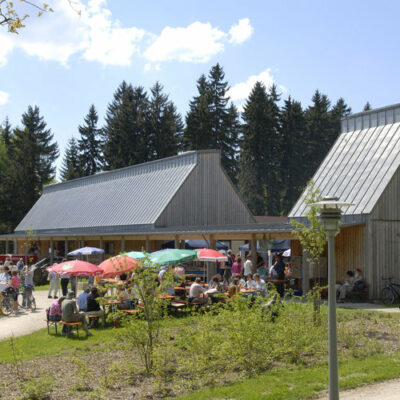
195 291
248 266
259 285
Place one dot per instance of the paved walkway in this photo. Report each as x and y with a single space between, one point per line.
26 321
370 307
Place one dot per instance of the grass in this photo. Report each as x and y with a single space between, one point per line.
43 287
40 344
304 383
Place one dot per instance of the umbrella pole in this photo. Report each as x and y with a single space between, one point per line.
76 287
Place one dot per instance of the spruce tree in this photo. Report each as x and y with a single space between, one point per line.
89 145
198 134
367 106
318 132
339 111
254 149
34 154
164 125
211 122
6 133
71 164
125 133
292 153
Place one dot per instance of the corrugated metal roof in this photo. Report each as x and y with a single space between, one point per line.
134 195
361 163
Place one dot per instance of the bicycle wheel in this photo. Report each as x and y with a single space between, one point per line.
32 303
387 295
7 306
21 300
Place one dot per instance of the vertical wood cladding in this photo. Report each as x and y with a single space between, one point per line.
349 245
207 197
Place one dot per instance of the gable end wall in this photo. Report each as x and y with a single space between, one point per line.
207 197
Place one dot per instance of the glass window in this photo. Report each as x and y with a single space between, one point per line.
358 123
374 119
381 118
366 121
389 116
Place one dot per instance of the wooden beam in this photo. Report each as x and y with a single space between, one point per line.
253 250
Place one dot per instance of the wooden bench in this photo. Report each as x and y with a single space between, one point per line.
51 323
71 325
357 295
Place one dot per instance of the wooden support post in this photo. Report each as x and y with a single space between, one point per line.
122 244
51 252
101 247
65 247
6 246
253 250
15 249
213 242
147 244
177 244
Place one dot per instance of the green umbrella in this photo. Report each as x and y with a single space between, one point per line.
172 256
137 255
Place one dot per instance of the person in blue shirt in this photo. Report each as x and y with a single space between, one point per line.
82 300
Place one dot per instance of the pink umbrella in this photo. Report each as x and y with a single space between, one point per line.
210 255
118 265
75 268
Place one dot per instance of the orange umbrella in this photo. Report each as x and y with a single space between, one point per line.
118 265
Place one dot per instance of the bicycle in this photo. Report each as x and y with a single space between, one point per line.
26 299
7 301
390 291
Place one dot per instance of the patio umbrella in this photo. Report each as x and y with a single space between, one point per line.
137 255
76 268
286 253
118 265
172 256
86 251
210 255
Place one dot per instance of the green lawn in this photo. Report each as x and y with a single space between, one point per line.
302 382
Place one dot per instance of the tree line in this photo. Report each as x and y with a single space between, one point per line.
269 150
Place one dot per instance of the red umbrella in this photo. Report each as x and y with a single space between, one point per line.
75 268
210 255
118 265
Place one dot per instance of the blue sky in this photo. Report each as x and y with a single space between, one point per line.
77 56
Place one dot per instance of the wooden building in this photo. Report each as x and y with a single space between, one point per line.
188 196
362 168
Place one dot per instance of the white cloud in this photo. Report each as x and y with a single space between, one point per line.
152 67
4 97
241 90
90 32
196 43
241 31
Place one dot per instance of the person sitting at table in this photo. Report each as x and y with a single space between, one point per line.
249 282
233 288
82 298
215 283
196 290
93 306
346 287
55 310
70 313
262 270
123 297
259 285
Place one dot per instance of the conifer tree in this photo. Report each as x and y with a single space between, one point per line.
254 149
34 154
89 144
318 132
71 165
292 153
125 141
338 111
211 122
367 106
6 133
164 125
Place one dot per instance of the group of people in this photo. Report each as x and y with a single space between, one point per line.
353 282
18 278
66 309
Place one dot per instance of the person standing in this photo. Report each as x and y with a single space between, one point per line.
15 279
237 267
248 266
278 273
64 284
53 284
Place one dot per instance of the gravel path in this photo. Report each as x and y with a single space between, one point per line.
387 390
26 321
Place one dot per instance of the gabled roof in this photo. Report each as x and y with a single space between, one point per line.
361 163
130 196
